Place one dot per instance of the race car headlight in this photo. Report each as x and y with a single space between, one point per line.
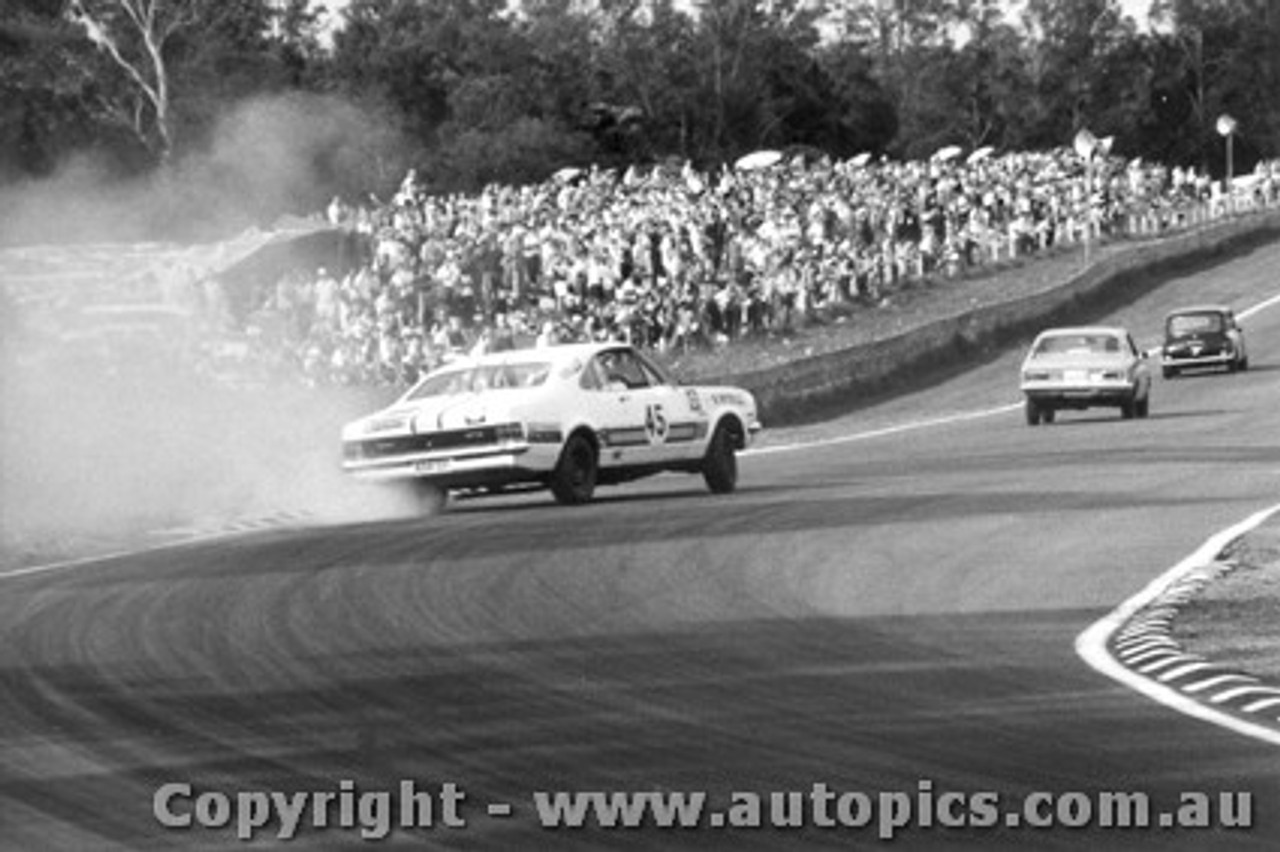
1036 375
506 433
384 424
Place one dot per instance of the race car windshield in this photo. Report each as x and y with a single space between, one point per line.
1182 325
1084 344
485 377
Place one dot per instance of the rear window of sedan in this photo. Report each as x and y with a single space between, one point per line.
1083 344
1183 324
484 377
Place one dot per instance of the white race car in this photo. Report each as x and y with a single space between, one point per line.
564 417
1082 368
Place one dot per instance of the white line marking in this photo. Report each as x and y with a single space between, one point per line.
1171 660
1167 657
1091 645
1241 691
1132 653
1258 706
1261 306
910 426
1203 685
1181 671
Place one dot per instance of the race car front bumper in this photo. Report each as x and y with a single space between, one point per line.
1184 362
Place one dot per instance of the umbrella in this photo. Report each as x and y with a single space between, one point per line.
980 154
566 174
950 152
861 159
758 160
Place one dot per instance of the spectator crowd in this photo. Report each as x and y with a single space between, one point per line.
672 257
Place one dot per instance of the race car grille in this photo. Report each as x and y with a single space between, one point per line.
401 445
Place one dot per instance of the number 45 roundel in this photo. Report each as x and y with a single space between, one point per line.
655 423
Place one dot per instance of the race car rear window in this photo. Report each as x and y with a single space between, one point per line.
1194 323
1077 343
486 377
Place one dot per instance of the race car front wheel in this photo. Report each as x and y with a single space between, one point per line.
574 479
720 465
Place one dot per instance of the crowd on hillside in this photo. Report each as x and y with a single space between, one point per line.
671 257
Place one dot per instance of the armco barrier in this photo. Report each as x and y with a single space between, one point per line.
790 392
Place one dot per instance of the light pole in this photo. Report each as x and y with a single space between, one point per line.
1226 127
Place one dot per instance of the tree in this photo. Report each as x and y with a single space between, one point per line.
134 34
1220 56
1071 49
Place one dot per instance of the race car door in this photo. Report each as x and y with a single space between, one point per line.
638 411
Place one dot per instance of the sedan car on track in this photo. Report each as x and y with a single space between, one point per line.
1203 336
1082 368
563 417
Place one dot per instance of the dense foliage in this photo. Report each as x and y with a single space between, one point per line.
478 91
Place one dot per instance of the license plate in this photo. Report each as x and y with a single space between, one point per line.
1075 377
432 466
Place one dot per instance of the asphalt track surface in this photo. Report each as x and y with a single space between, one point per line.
868 614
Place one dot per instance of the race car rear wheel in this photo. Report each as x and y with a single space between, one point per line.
574 479
720 464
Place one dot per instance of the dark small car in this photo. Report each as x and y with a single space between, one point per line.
1203 336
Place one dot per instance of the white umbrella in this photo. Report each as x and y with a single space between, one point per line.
950 152
980 154
861 160
757 160
566 174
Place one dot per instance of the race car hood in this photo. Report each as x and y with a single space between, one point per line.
437 414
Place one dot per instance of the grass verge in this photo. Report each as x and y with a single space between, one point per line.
1235 620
